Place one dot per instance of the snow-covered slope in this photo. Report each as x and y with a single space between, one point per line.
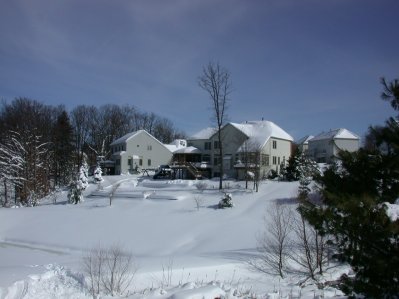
156 220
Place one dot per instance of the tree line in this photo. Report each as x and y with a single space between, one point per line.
42 147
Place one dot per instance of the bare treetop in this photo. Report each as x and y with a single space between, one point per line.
216 81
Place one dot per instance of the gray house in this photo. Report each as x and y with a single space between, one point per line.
303 143
325 147
260 144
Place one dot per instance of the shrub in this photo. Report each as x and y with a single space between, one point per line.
226 201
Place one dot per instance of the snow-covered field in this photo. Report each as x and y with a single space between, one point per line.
180 251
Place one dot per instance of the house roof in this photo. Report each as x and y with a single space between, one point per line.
336 134
187 150
304 140
124 138
203 134
131 135
259 132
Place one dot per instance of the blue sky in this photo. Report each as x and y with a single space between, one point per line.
307 65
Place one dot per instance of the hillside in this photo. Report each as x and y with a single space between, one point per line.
158 222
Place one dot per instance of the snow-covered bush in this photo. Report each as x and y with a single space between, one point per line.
226 201
98 178
75 192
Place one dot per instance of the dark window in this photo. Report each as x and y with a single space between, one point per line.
208 145
149 162
216 144
274 144
141 162
206 158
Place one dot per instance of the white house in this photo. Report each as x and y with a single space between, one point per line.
260 143
139 150
325 147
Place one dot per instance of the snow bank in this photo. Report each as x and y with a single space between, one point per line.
57 282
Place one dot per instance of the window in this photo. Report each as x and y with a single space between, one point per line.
264 160
216 160
149 162
138 145
207 145
278 160
274 144
274 160
149 147
206 158
129 162
118 162
141 162
216 144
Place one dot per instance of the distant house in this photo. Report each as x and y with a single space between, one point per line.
139 150
303 143
325 147
262 144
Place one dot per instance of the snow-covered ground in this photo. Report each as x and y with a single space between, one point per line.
180 251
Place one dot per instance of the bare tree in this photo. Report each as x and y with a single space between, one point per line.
250 156
273 243
81 119
309 250
11 163
215 80
109 270
198 201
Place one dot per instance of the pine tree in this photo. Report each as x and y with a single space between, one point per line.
291 170
63 149
75 195
353 211
83 175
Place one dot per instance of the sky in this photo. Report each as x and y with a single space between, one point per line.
307 65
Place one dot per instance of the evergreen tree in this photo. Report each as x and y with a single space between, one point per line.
63 149
291 170
75 195
83 175
353 211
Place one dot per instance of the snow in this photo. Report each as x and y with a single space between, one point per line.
392 210
187 150
124 138
336 134
259 132
304 140
203 134
204 251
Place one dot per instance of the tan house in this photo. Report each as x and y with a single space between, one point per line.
260 144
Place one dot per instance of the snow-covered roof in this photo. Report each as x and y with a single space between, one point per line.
187 150
203 134
259 132
336 134
126 137
304 140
